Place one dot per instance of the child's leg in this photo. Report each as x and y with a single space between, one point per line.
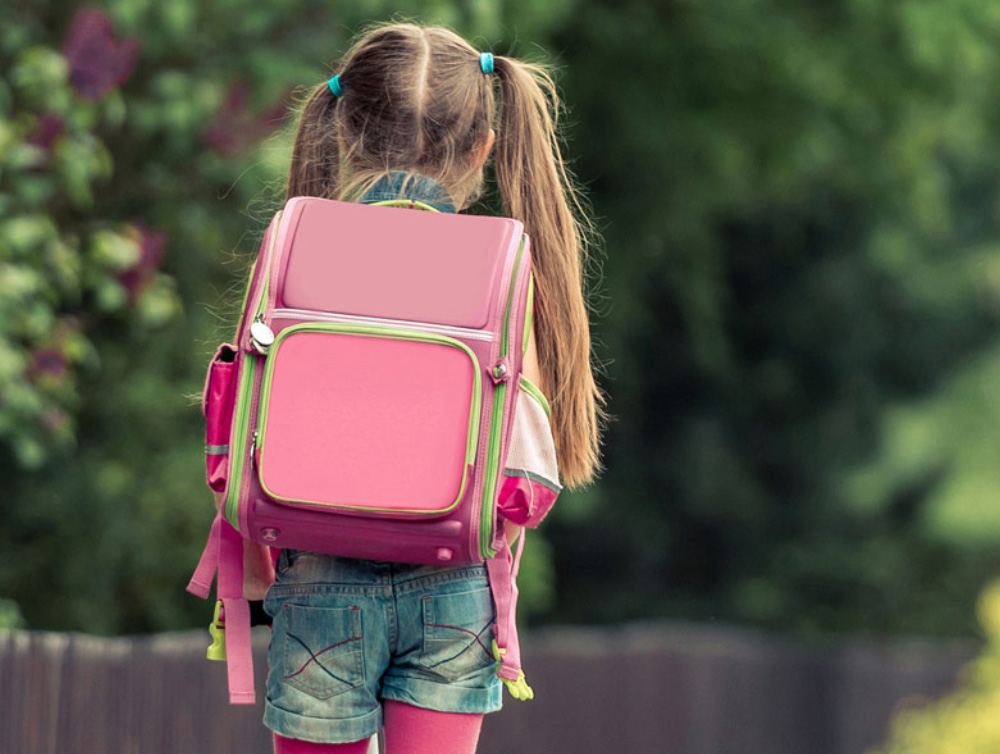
284 745
414 730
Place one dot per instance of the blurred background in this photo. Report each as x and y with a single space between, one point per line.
796 310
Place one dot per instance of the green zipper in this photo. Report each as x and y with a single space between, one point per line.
496 424
259 314
504 339
246 293
528 314
238 448
381 332
533 390
244 397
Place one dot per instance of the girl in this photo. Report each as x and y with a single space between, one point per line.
415 112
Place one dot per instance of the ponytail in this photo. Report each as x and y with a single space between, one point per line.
315 167
536 189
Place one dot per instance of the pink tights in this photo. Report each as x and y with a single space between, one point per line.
408 730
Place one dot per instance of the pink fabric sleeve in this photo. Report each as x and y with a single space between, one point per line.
531 478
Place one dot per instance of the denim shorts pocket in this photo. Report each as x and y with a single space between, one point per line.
322 649
458 633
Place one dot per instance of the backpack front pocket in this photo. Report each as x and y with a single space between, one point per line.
368 419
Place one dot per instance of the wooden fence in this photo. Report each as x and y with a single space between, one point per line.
635 689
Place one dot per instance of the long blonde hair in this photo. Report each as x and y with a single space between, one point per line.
414 98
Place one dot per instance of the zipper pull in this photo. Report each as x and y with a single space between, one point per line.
253 448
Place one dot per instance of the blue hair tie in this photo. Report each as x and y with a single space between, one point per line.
335 87
486 62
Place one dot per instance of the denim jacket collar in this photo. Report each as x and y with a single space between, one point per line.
420 188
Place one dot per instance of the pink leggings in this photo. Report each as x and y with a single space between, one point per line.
408 730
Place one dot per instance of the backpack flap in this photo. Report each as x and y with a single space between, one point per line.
368 261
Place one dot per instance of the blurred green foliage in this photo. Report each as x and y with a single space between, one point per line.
125 235
798 304
61 263
799 311
965 721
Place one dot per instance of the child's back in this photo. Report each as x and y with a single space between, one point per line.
358 644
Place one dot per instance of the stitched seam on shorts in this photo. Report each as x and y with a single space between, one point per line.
422 582
392 622
268 703
316 656
473 634
360 590
474 699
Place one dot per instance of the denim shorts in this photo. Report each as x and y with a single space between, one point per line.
349 633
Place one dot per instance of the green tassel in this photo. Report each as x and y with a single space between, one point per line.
518 689
217 628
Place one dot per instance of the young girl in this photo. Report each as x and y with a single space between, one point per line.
415 112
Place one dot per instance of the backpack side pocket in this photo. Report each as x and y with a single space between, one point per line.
217 402
531 477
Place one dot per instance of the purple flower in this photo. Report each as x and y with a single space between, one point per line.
233 129
49 128
97 63
151 248
47 362
55 420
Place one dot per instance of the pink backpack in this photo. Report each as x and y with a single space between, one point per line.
373 407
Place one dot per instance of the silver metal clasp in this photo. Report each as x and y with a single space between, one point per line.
261 336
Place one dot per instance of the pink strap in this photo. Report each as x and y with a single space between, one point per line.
224 555
201 581
502 570
517 555
239 656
